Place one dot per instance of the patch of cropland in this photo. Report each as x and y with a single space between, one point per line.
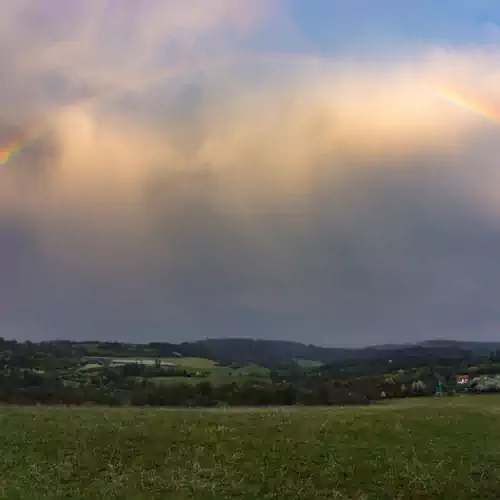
414 449
177 370
308 363
182 362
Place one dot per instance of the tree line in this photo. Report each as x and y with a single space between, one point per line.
25 387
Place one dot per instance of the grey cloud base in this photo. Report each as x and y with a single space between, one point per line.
379 258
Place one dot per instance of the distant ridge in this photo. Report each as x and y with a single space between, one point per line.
275 352
270 352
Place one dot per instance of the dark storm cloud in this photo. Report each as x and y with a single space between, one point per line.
379 258
396 262
335 203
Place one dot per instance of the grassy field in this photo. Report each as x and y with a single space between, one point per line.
429 448
186 362
243 371
308 363
182 362
219 375
215 374
169 381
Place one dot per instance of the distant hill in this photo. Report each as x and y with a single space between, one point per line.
273 352
264 352
477 347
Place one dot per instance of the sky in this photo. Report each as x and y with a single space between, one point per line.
320 171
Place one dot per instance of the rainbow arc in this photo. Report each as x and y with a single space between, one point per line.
468 101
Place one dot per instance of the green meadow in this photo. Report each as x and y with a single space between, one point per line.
181 362
444 448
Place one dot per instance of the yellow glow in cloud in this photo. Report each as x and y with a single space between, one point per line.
276 129
265 141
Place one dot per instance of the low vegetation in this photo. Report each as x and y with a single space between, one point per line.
424 448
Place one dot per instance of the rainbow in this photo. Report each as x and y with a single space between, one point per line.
465 100
8 152
470 102
231 61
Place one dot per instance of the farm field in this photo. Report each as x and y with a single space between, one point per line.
408 449
216 375
182 362
308 363
213 373
191 362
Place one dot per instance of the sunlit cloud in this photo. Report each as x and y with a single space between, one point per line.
275 130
